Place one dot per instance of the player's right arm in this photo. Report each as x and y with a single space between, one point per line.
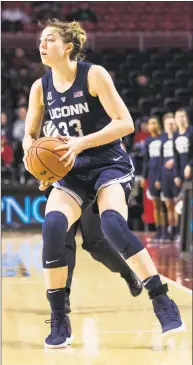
34 115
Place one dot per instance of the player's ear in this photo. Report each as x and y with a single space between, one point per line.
69 47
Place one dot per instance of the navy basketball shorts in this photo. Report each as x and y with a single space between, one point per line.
94 171
169 190
152 192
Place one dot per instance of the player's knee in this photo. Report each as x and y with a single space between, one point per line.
169 204
54 231
117 232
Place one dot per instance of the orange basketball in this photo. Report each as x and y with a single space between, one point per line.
43 161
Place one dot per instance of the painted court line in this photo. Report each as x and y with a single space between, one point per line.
177 285
136 331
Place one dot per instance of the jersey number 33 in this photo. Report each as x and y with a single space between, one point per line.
50 129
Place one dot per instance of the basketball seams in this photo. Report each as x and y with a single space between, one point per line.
46 149
35 158
47 140
30 156
45 165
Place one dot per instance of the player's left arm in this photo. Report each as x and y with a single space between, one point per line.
100 84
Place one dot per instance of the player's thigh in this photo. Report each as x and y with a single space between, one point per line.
60 201
169 203
113 197
156 202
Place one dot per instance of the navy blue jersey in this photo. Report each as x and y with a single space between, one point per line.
151 155
166 154
75 112
183 151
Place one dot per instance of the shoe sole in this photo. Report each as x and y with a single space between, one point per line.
68 341
137 292
175 330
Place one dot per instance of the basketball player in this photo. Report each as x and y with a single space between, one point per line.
183 152
91 117
94 243
183 148
151 160
165 177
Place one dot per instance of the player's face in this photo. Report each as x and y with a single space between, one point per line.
153 125
52 48
181 119
170 125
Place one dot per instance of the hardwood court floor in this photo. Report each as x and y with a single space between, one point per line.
110 326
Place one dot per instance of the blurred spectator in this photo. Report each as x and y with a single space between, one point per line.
141 135
6 152
6 129
13 18
83 13
142 80
45 9
18 134
142 86
19 125
22 100
6 148
19 59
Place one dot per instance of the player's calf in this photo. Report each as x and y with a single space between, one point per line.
117 232
54 233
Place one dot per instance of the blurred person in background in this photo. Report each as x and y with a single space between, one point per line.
165 177
142 86
6 128
183 148
152 151
183 152
83 13
19 124
22 100
45 9
19 60
6 147
18 134
13 18
141 135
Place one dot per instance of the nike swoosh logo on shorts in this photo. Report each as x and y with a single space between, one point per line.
51 102
116 159
49 262
52 291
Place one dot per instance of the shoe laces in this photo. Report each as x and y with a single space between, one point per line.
54 325
56 321
52 321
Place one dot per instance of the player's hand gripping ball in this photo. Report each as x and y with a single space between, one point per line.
43 160
72 146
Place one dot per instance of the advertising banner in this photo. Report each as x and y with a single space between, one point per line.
22 207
